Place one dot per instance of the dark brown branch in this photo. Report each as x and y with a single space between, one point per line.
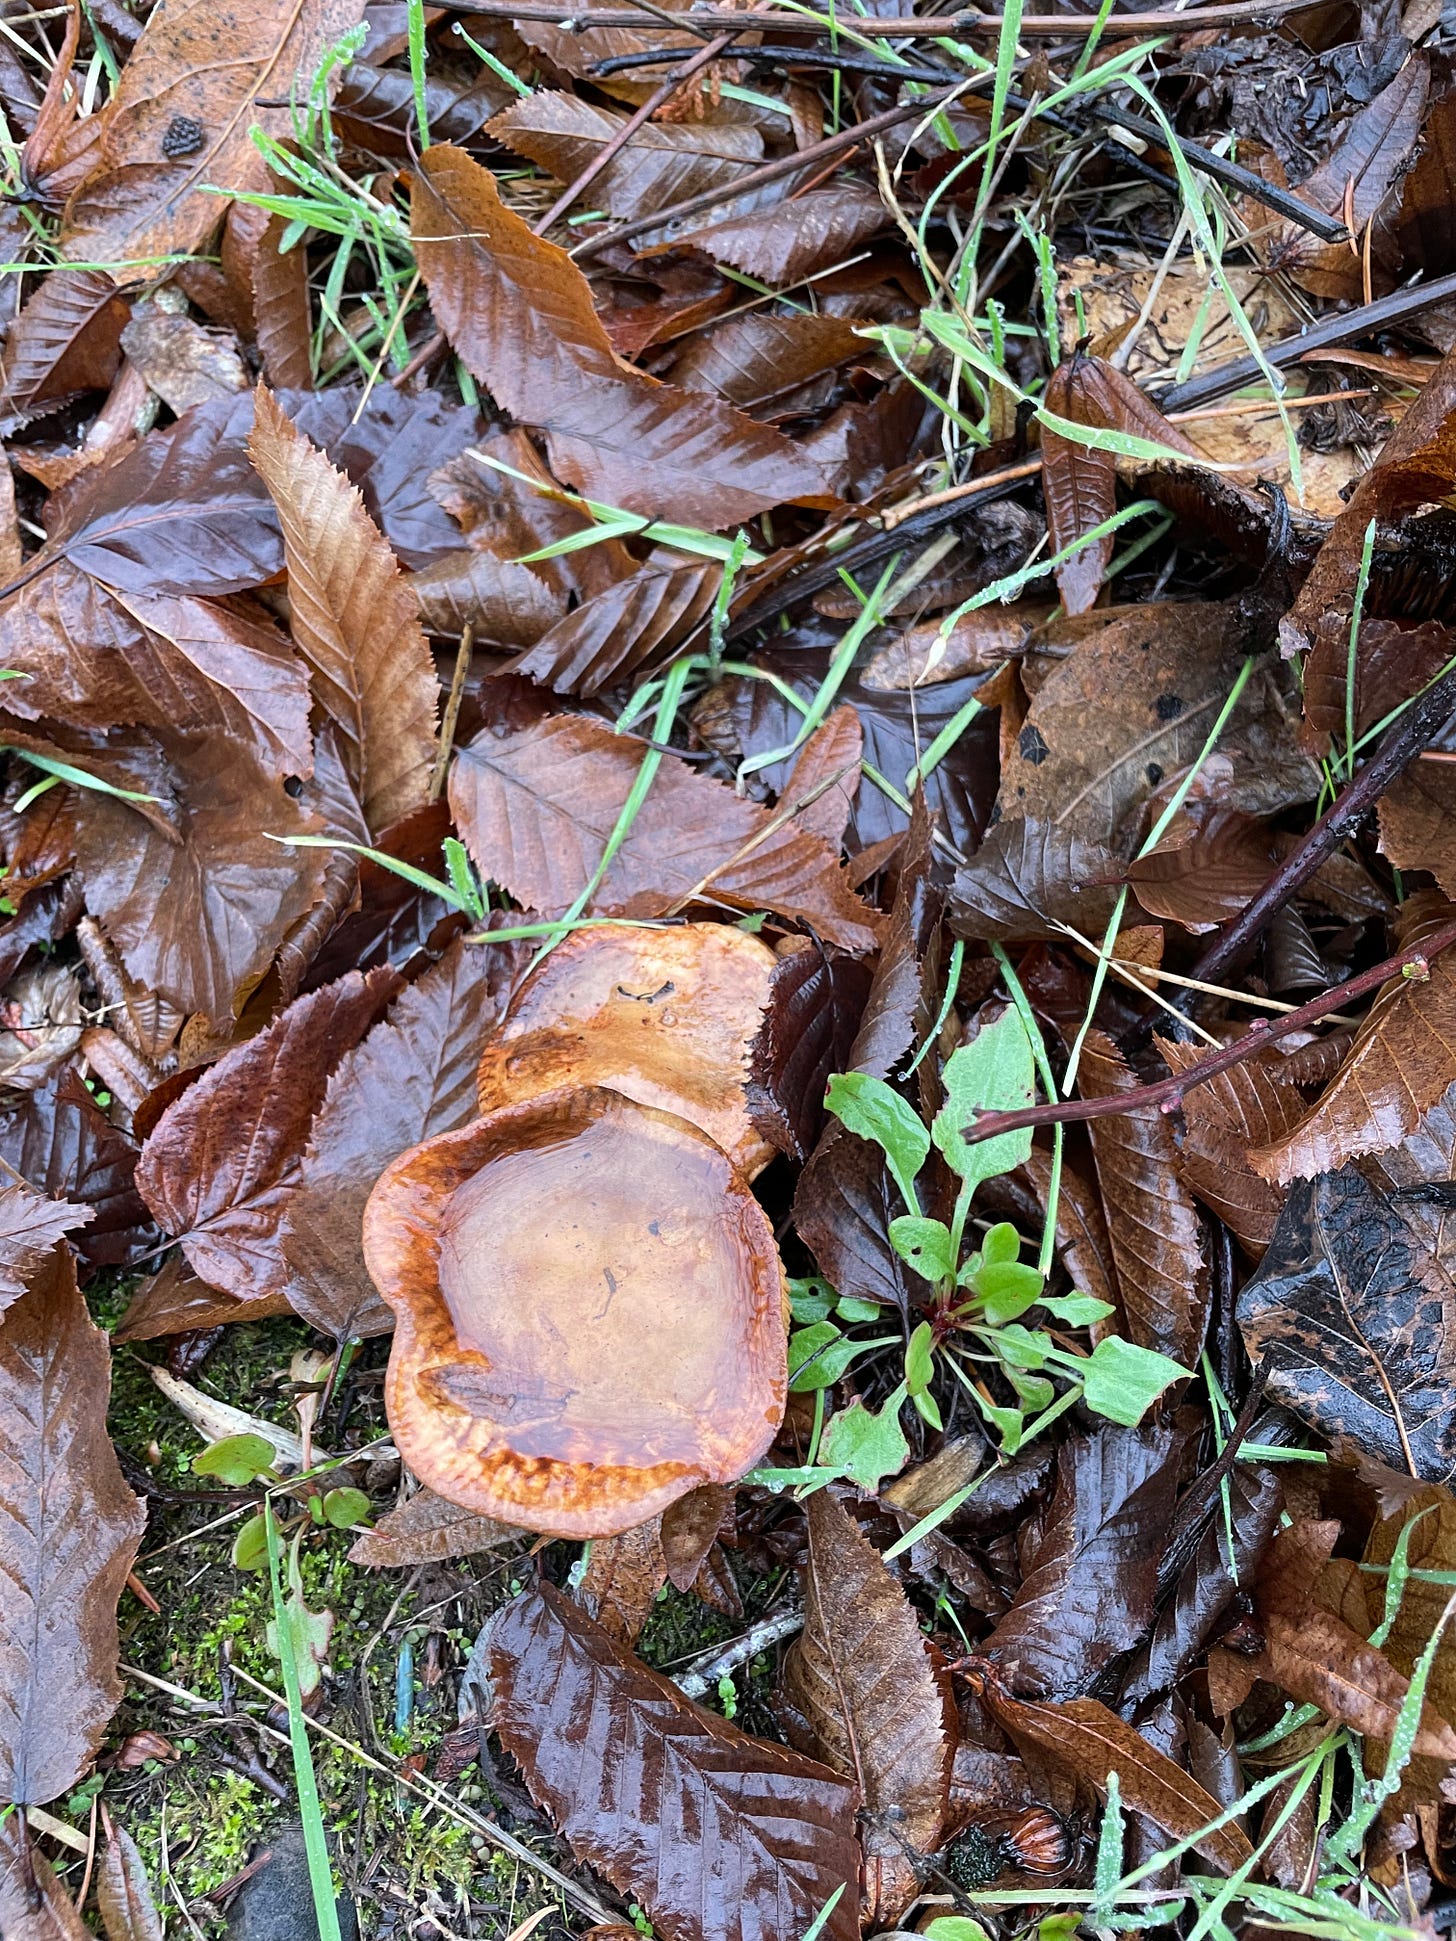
1422 720
1393 309
1050 26
1167 1093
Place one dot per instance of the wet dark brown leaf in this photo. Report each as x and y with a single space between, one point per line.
629 628
815 1004
520 314
66 339
123 1893
536 809
30 1226
219 1168
625 1765
1090 1568
411 1077
63 1145
69 1530
663 163
1240 1108
863 1696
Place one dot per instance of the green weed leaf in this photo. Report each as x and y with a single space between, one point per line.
992 1073
236 1460
866 1446
924 1244
873 1110
1122 1381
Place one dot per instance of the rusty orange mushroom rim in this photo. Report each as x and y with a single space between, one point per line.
591 1312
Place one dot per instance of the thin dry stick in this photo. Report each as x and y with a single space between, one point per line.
1167 1093
1426 715
452 709
1047 26
609 151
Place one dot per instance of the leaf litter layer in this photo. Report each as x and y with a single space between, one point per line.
726 942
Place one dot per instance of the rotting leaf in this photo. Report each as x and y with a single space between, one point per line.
353 620
589 1312
863 1695
1352 1306
67 338
60 1142
536 809
412 1076
621 1760
69 1530
33 1904
519 313
219 1167
1152 1223
690 1528
426 1529
197 81
1090 1568
815 1002
623 1575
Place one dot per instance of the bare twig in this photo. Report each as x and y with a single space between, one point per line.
703 1675
1393 309
1421 721
1167 1093
1048 26
700 58
452 710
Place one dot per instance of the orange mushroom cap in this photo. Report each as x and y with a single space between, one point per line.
591 1312
665 1016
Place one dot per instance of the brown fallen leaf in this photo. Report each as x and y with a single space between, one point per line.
863 1695
623 1576
272 284
66 339
123 1893
690 1528
30 1226
1152 1223
183 362
755 359
353 621
520 315
663 163
428 1530
1418 822
530 1259
629 628
1090 1568
69 1530
1400 1062
1351 1307
1240 1108
787 241
61 1143
219 1167
201 76
411 1077
33 1904
536 809
505 603
1088 1741
1204 872
718 1836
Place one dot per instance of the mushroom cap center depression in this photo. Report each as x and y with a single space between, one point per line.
622 1248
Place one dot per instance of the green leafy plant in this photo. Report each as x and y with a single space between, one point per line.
979 1328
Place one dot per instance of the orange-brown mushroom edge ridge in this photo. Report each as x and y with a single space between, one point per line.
665 1016
591 1312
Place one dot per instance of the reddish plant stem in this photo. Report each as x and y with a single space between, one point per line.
704 57
1167 1093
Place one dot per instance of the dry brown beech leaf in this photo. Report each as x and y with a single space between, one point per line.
1151 1219
788 241
631 625
718 1836
354 620
427 1530
863 1695
219 1165
519 313
202 75
33 1904
666 1017
67 338
69 1530
536 809
590 1312
123 1892
506 604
